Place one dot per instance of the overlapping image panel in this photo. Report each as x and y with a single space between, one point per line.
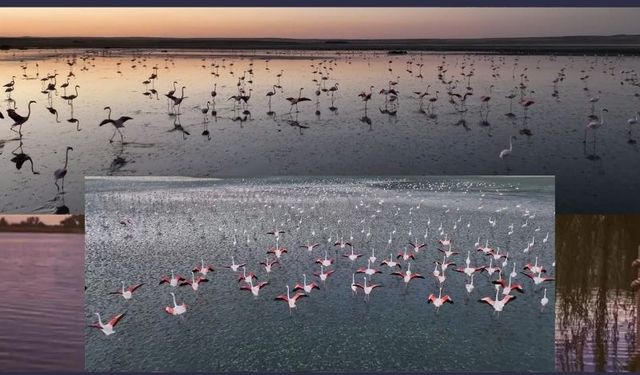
41 260
320 274
597 326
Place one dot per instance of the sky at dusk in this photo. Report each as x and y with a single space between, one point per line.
47 219
355 23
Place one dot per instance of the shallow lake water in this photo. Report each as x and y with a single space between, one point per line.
41 316
325 136
174 223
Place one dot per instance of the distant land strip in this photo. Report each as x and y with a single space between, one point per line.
612 44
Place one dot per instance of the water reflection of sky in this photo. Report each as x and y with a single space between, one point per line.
396 138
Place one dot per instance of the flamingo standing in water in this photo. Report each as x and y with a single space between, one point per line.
173 280
326 261
176 309
304 286
369 271
127 293
538 279
352 257
254 289
407 276
59 174
18 119
194 283
440 300
544 301
291 301
117 124
107 329
498 305
323 275
391 263
234 267
203 269
594 125
247 277
268 264
507 151
367 288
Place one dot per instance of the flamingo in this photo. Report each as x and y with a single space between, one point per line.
506 289
203 269
234 267
254 289
59 174
507 151
594 125
486 249
534 268
354 288
295 101
326 261
322 275
367 288
117 124
440 300
491 270
18 119
310 247
369 271
544 301
194 283
173 280
391 263
342 244
417 246
107 329
469 286
291 301
373 257
498 305
447 253
405 256
277 251
246 277
446 241
176 309
127 293
267 264
306 287
407 276
352 257
538 279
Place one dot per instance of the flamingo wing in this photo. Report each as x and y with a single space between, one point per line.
527 275
116 319
298 287
245 287
263 284
447 299
299 295
487 300
134 287
281 298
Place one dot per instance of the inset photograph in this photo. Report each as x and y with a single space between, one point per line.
41 261
597 327
320 274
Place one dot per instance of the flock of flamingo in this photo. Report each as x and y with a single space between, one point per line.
452 82
446 248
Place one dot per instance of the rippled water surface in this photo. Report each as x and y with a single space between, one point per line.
40 316
173 223
327 136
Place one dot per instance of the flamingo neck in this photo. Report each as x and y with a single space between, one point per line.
173 296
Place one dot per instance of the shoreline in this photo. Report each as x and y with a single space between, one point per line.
613 44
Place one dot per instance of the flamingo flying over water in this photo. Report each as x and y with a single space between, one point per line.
107 329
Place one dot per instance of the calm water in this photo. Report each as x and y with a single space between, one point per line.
398 138
175 222
597 312
40 319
